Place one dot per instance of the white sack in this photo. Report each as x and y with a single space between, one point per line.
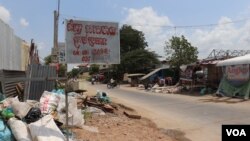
75 115
19 130
20 109
45 129
49 102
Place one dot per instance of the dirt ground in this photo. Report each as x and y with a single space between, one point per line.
118 127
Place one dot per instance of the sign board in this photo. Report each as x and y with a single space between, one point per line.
237 74
92 42
61 55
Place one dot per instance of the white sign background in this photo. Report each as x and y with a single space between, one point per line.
92 42
237 72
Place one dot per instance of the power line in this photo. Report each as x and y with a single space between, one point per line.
170 27
174 27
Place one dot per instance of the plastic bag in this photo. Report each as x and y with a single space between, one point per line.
19 130
75 115
33 115
49 102
5 133
58 91
103 97
7 113
94 111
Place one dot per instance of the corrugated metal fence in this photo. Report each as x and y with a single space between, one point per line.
37 88
8 87
34 88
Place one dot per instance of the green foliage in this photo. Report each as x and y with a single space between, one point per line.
73 73
139 60
179 51
62 70
134 57
131 39
93 69
48 60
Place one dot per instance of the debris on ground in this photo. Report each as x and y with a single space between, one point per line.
91 118
130 115
117 126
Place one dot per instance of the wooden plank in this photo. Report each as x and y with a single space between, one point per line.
132 115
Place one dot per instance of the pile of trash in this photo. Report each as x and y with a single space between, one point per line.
45 120
166 89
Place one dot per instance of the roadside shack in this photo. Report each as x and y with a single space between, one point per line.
235 80
165 75
193 75
134 79
212 73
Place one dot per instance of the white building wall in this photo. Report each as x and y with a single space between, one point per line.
10 48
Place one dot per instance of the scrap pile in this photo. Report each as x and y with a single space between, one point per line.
181 89
45 120
167 89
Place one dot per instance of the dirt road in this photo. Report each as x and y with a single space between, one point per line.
196 118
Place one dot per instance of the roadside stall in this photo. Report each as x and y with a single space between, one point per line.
193 75
235 80
134 78
165 73
212 73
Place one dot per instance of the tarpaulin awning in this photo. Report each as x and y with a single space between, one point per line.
135 74
153 72
235 61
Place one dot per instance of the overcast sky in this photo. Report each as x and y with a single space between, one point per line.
229 20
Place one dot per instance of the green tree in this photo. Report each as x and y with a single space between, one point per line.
62 70
139 60
131 39
73 73
48 60
180 52
93 69
134 56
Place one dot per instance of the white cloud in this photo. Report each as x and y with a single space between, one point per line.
147 20
4 14
227 35
151 24
223 36
24 22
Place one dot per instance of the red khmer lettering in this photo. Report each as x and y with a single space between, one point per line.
85 52
74 27
77 41
76 52
86 58
104 30
96 41
100 51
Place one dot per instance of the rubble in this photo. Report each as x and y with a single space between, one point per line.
35 120
130 115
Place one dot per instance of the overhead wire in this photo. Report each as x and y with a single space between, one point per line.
168 27
191 26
